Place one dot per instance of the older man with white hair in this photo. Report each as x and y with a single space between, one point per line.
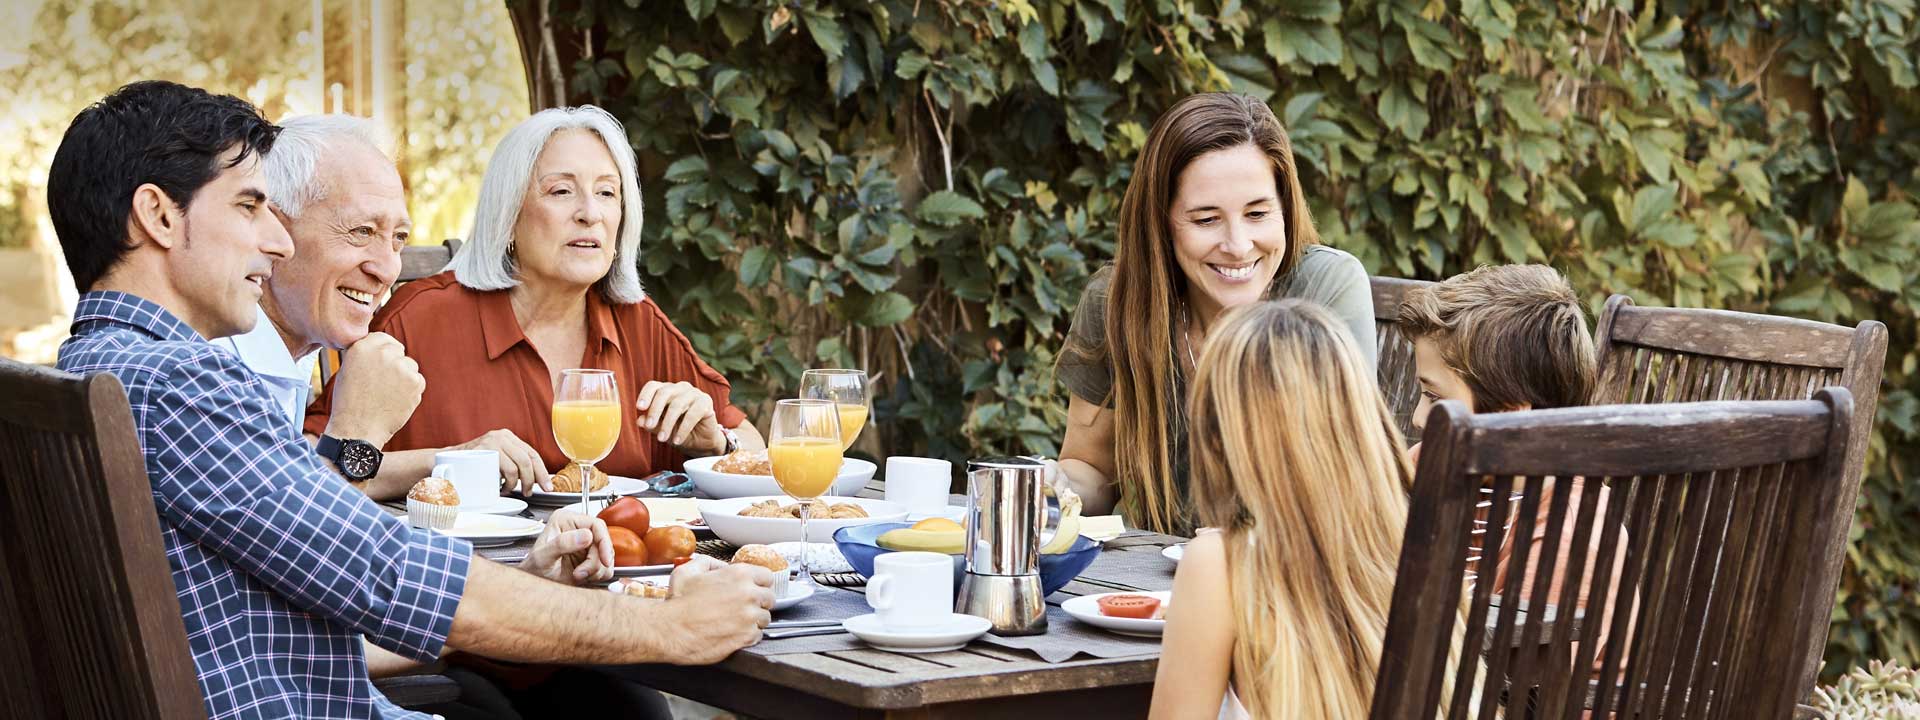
343 204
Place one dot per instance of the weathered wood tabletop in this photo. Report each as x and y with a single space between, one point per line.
980 680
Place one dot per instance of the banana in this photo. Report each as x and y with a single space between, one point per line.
1069 528
949 542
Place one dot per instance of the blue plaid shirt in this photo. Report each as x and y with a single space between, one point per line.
280 565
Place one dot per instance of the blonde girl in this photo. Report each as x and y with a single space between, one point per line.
1281 612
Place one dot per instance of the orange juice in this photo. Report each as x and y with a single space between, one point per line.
805 467
852 419
586 430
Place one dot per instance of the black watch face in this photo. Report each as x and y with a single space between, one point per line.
359 460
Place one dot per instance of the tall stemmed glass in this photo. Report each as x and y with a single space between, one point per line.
848 390
806 450
586 422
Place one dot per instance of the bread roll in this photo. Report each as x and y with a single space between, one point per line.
761 555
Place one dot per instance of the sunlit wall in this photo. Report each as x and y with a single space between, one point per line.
442 77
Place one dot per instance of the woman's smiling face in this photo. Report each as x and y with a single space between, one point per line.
1228 228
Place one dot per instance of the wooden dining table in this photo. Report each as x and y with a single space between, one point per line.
980 680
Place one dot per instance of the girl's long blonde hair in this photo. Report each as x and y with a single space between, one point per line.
1297 461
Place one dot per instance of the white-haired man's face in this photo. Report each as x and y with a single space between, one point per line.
347 250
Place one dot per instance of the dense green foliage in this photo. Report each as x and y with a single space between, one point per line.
922 187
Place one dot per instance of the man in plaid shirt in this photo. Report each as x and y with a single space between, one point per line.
281 567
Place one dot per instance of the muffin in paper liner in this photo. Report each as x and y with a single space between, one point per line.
428 515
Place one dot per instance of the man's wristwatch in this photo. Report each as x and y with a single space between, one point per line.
733 440
358 460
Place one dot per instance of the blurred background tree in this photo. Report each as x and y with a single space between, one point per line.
922 187
441 77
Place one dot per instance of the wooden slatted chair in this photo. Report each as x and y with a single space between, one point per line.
1650 355
1725 512
416 262
1396 371
89 623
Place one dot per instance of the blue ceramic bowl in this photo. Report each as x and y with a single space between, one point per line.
859 543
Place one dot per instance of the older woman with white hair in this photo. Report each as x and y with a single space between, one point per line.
548 280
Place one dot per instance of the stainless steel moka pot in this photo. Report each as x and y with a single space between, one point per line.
1006 510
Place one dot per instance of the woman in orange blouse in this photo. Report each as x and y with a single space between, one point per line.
548 280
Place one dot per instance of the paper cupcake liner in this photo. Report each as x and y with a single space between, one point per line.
430 516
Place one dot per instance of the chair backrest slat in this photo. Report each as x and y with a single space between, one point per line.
1656 355
93 629
1397 374
1713 515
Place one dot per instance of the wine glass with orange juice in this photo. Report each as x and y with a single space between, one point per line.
586 422
806 449
848 390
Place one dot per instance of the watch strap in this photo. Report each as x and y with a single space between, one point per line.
329 447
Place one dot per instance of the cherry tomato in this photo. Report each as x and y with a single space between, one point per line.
628 549
1129 606
627 513
666 544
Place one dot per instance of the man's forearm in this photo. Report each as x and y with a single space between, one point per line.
511 615
398 472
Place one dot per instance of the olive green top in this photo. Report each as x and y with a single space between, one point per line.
1325 275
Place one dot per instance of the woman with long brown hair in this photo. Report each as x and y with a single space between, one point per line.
1296 462
1213 219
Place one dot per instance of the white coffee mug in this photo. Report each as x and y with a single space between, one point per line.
475 474
911 589
919 483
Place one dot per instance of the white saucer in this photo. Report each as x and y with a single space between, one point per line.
639 570
616 486
953 634
1174 552
1086 609
491 530
795 593
497 505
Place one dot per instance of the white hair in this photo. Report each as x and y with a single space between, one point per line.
485 260
292 167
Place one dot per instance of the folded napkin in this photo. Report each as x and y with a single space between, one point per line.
1102 527
821 557
671 511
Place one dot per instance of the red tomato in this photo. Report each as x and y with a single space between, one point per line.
1129 606
627 513
667 544
628 550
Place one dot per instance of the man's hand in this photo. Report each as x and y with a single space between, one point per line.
680 415
573 550
520 464
716 609
376 390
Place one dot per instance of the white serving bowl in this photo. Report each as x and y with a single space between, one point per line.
723 517
854 474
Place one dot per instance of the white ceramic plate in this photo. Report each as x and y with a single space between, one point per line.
639 570
723 517
491 530
1086 609
955 633
794 595
854 474
497 505
1174 552
616 486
